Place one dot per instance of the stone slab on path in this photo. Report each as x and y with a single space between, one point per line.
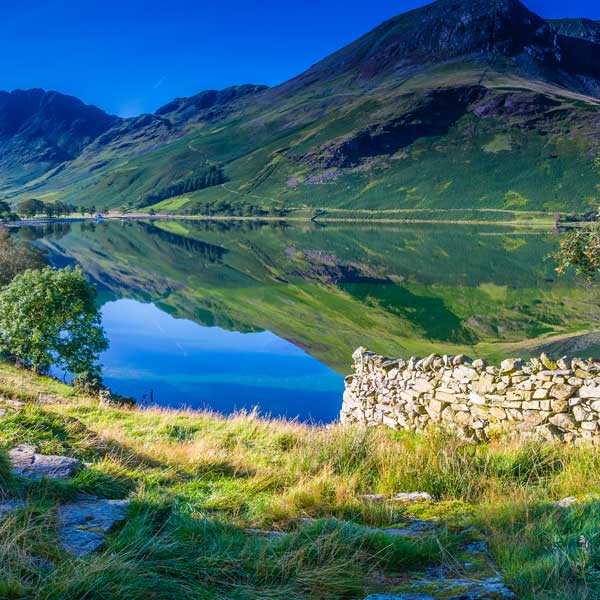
27 463
84 523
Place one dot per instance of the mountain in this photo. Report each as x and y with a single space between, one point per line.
462 104
39 130
586 29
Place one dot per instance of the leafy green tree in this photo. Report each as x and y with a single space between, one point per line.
6 212
580 249
16 257
30 207
50 317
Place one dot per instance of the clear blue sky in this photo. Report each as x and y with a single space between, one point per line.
131 56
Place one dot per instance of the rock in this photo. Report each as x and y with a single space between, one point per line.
561 391
8 507
510 365
83 524
412 497
27 463
459 359
565 502
589 392
563 421
548 362
416 528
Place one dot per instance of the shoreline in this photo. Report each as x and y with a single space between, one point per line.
536 223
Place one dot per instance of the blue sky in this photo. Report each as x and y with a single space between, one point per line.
131 56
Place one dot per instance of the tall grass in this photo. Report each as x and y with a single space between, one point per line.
202 486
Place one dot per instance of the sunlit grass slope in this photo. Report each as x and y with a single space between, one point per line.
207 491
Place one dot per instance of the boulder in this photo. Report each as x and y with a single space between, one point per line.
27 463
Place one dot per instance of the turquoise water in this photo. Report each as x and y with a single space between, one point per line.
177 363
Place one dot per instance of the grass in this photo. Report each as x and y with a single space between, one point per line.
202 485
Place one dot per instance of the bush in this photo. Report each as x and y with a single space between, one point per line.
88 382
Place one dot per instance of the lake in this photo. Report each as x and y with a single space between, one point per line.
239 315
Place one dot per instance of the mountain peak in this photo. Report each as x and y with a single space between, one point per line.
441 31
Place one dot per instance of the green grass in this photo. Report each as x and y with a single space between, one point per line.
201 484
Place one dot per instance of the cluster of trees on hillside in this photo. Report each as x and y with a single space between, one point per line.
237 209
48 317
33 207
213 175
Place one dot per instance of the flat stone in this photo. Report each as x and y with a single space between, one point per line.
27 463
589 392
265 534
416 528
8 507
412 497
83 524
565 502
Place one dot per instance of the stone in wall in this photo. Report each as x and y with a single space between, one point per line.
540 398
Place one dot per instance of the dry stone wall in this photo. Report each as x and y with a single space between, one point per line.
539 398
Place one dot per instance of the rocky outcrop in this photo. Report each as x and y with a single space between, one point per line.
83 524
27 463
538 399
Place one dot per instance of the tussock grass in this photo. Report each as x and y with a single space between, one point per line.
202 485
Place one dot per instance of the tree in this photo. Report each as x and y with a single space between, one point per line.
49 209
580 249
16 257
50 317
30 207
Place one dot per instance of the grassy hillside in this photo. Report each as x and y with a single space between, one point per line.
541 158
403 118
247 509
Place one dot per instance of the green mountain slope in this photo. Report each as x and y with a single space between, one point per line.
468 104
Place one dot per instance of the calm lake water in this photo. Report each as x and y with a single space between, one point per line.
233 316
